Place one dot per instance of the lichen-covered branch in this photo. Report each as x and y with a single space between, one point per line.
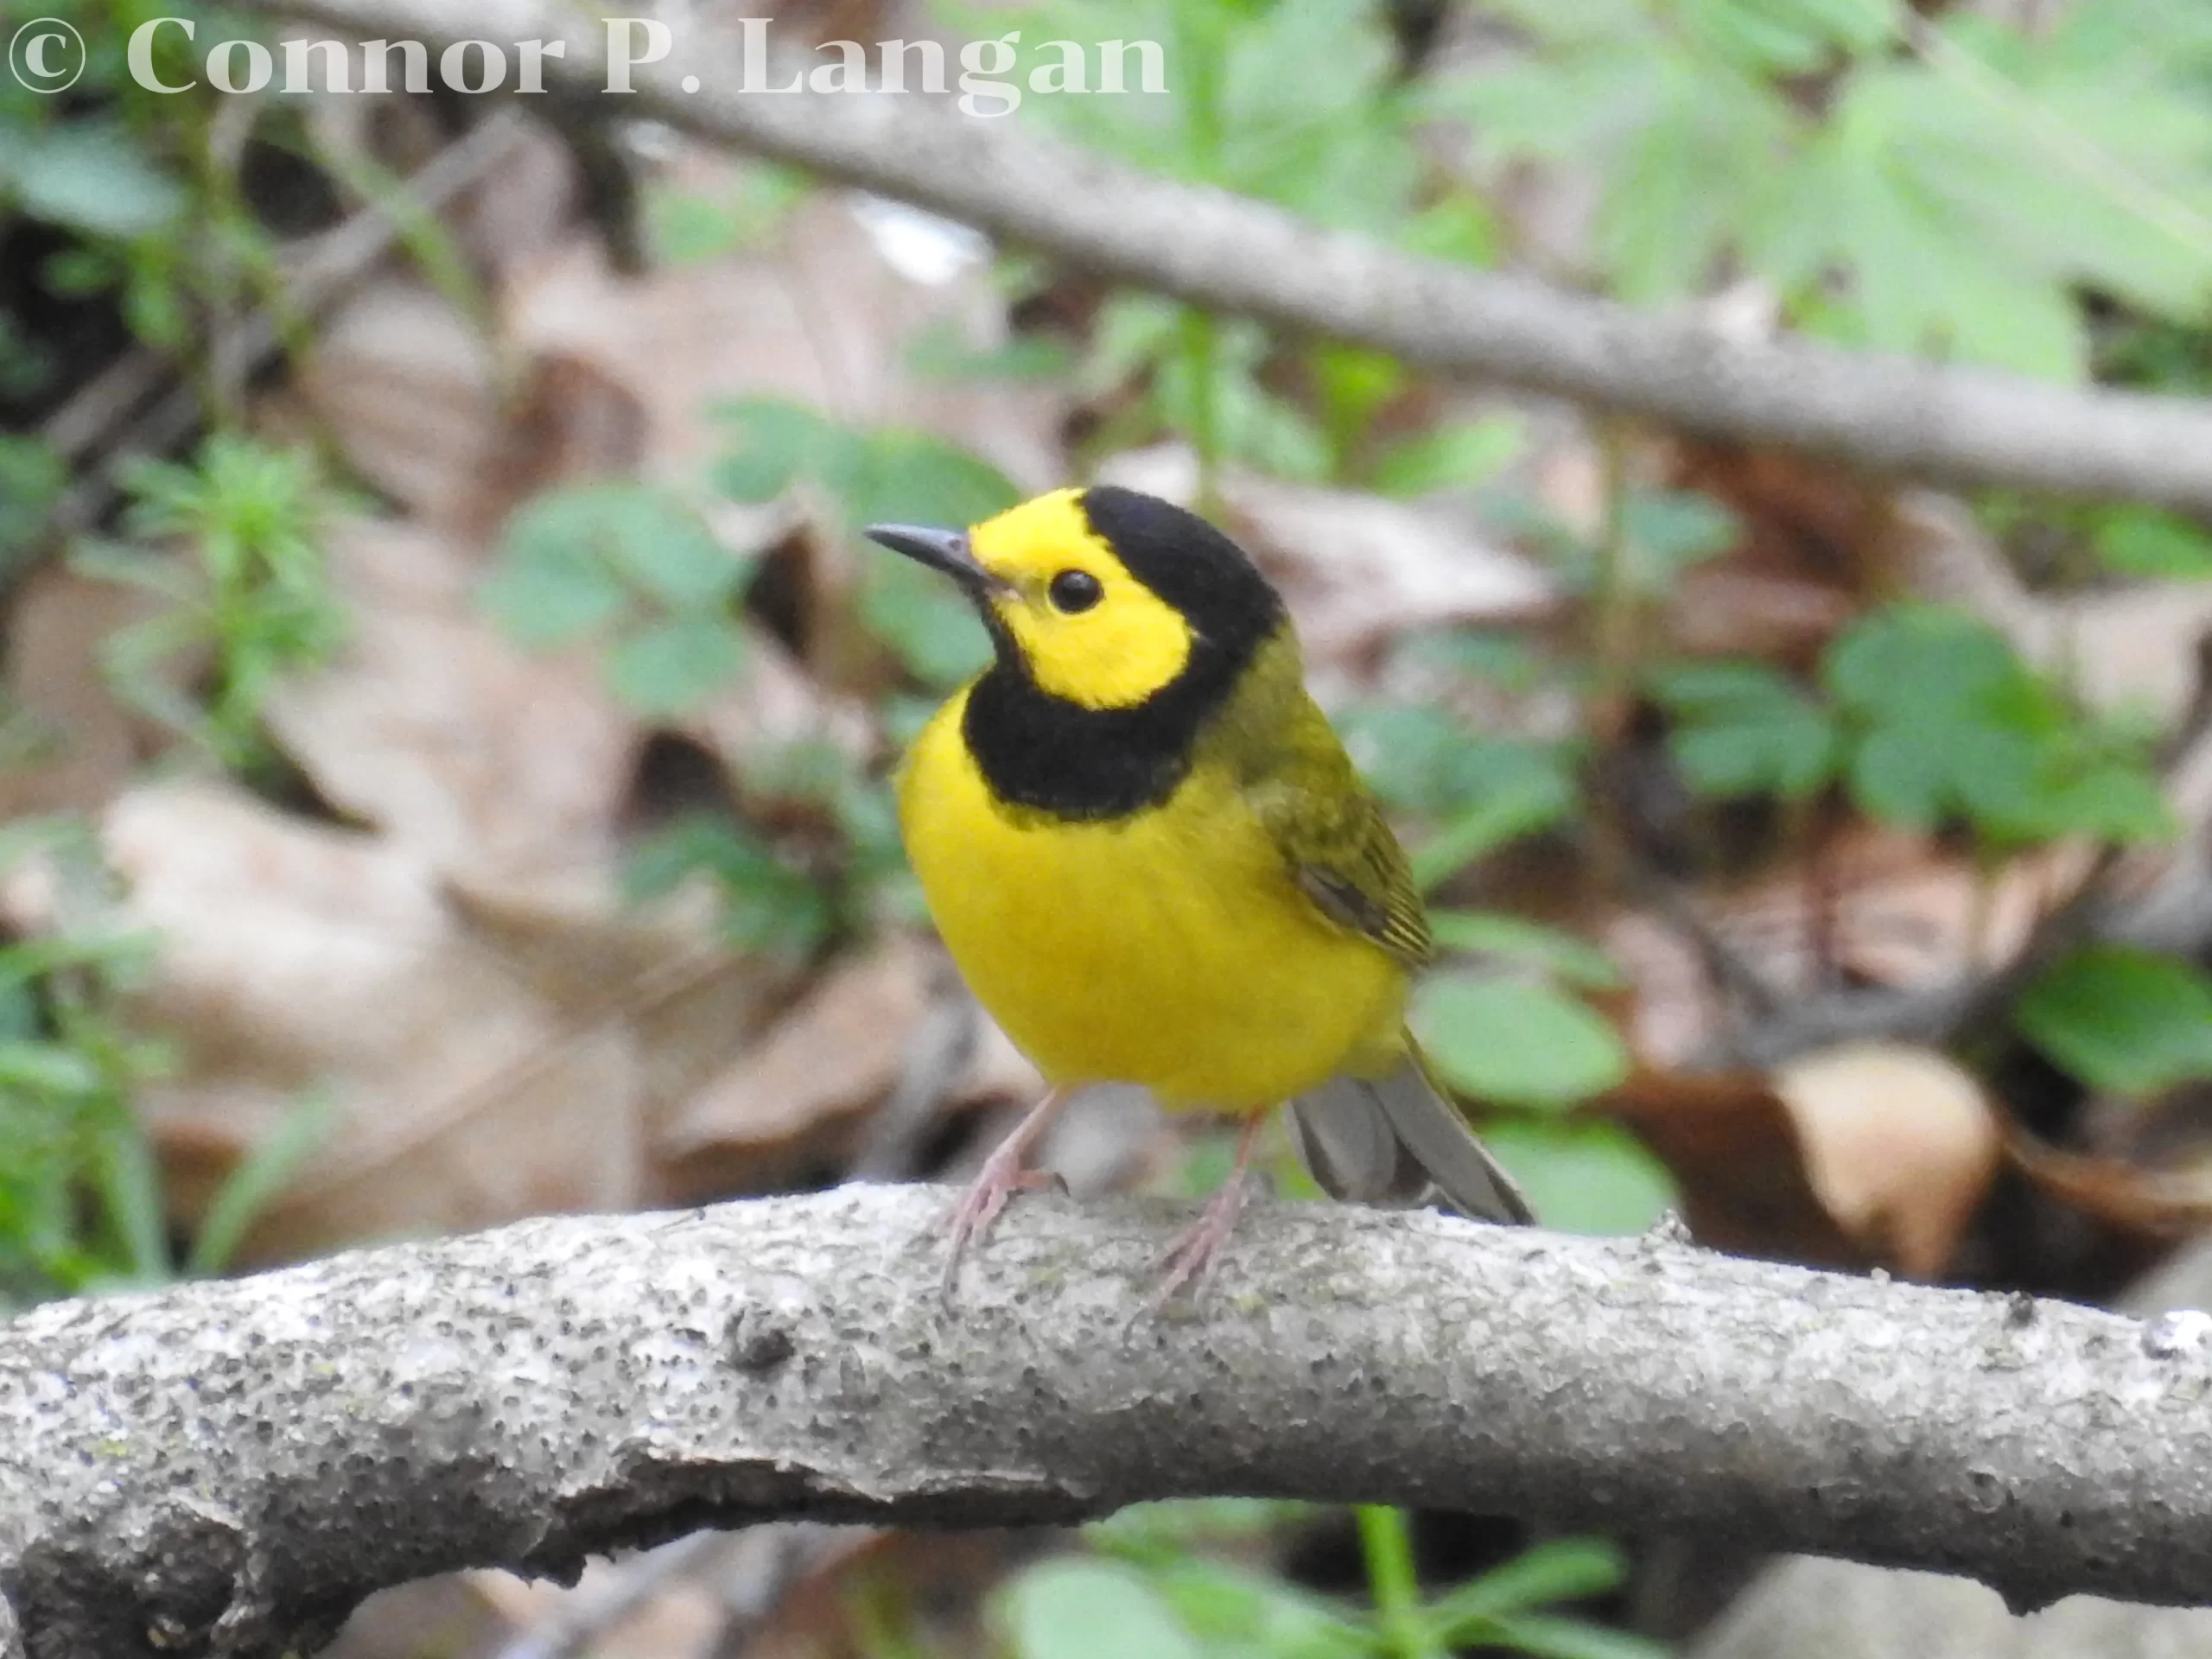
1891 415
225 1467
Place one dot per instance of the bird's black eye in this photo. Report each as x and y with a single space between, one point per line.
1076 590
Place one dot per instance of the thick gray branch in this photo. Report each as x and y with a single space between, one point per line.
223 1465
1950 425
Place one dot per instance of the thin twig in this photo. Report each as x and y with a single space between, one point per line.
328 268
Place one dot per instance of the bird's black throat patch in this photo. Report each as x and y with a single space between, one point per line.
1055 756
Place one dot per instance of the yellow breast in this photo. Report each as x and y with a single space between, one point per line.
1169 949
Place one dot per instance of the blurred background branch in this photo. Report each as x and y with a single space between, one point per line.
1245 257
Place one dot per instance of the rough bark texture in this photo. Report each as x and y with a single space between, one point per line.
1950 425
221 1467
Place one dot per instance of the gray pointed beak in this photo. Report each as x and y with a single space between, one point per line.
943 550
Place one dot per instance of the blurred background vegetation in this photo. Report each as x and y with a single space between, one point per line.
446 710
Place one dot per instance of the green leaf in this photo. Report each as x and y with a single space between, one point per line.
32 479
1672 530
2121 1019
1517 1043
2145 542
1168 1529
911 478
47 1069
1583 1174
1459 456
92 175
1563 1569
553 585
1072 1607
773 442
940 352
246 1192
933 630
1236 1613
1741 728
671 667
1541 1636
1495 933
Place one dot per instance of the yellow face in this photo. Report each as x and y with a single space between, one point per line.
1089 632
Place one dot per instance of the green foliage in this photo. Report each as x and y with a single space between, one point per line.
1910 185
799 892
1743 728
1513 938
684 226
1300 104
2122 1020
1458 454
2149 544
31 481
1516 1042
1942 720
1931 718
1149 1588
80 1201
143 187
258 1177
631 568
253 597
864 477
1582 1174
1480 791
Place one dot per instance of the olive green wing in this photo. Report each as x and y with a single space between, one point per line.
1395 1136
1340 850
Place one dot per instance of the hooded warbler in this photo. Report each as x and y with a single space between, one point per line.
1153 860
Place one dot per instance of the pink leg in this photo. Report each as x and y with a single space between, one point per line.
1197 1252
1005 1172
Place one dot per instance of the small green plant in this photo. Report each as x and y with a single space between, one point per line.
1929 719
1945 185
252 598
868 477
1302 104
2129 1021
837 869
1147 1586
629 568
80 1203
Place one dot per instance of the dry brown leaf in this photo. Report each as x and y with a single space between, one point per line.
1865 1154
1884 908
834 1056
473 1081
822 317
1900 1144
1355 568
1739 1164
2160 1204
408 389
69 742
469 752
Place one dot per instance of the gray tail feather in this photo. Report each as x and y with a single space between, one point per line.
1386 1140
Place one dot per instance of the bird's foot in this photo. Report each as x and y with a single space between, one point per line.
1005 1172
1197 1252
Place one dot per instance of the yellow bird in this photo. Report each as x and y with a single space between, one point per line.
1152 859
